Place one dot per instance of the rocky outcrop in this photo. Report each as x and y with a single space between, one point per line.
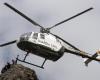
17 72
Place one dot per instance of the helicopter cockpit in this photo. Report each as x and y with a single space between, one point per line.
43 39
25 36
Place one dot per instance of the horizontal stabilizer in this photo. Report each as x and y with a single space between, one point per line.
96 55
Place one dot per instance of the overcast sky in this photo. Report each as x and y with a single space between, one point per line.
82 32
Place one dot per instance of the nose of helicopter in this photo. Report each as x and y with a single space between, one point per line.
23 41
24 44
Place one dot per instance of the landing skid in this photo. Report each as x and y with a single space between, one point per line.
17 59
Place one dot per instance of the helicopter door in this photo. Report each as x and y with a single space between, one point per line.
34 38
35 35
42 36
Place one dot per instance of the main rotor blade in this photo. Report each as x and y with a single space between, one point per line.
5 44
23 15
71 17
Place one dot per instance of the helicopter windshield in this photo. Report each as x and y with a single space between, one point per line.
28 34
25 36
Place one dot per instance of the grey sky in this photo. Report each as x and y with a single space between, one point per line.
82 31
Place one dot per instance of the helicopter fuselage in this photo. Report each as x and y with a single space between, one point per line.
42 44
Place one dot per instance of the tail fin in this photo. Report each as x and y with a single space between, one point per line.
96 55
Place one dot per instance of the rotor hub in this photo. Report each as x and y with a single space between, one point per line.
45 30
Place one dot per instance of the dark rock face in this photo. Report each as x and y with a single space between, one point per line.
18 72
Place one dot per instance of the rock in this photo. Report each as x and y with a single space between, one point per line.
17 72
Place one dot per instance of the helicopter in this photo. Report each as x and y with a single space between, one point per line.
46 44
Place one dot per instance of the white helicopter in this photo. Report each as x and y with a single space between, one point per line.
46 44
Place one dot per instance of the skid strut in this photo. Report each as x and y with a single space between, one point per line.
17 59
25 56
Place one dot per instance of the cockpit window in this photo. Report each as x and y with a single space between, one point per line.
35 35
25 36
28 34
42 36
